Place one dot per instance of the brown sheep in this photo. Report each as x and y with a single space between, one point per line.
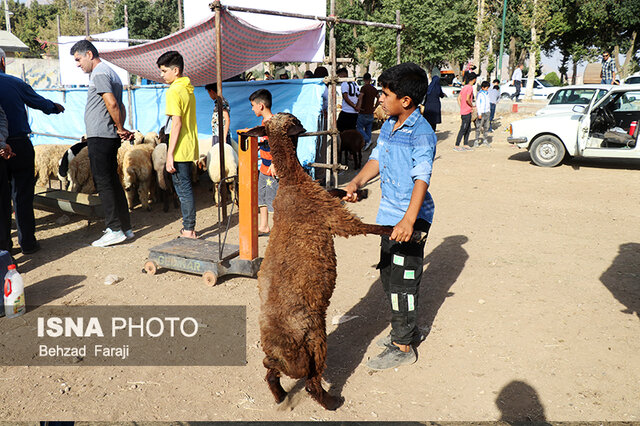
351 141
298 273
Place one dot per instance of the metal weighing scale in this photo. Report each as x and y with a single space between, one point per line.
215 259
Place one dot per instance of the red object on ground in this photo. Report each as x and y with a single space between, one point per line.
514 108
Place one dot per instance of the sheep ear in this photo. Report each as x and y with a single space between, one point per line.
256 131
295 130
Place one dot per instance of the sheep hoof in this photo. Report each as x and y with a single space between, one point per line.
273 380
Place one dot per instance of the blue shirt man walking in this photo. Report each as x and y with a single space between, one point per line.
17 164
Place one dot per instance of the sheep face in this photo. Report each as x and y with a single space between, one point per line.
283 130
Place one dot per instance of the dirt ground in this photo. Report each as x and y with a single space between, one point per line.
530 298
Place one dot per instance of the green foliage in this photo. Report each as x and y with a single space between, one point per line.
553 78
148 20
435 32
349 41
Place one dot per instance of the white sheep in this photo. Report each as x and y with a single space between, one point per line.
46 161
211 164
137 171
79 174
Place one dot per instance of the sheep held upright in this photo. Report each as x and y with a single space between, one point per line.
298 273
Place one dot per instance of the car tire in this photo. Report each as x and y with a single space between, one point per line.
505 96
547 151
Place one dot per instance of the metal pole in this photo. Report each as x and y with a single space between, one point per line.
180 14
7 15
126 17
504 16
332 145
221 141
398 37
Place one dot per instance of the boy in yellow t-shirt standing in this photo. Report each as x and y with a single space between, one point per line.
183 139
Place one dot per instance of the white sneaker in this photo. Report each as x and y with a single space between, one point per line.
109 237
129 234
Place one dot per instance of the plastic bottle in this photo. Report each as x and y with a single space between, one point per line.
14 303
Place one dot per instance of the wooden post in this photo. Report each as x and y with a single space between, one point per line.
332 145
221 141
64 93
180 23
398 38
126 18
248 196
86 22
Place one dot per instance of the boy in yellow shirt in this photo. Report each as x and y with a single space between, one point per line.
183 139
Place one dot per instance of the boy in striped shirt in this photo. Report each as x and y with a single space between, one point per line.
267 182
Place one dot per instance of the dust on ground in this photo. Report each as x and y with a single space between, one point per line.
530 298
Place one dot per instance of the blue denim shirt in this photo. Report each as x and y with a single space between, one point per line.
404 155
14 95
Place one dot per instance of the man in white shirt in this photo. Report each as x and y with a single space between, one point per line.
517 81
348 117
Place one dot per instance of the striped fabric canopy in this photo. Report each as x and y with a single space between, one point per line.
243 47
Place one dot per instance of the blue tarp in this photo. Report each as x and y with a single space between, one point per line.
302 98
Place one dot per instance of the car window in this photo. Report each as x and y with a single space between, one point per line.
629 101
632 80
573 96
545 83
600 94
536 85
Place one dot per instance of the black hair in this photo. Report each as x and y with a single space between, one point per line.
406 79
211 87
320 72
366 76
470 77
496 81
84 46
171 59
342 70
263 96
485 84
308 74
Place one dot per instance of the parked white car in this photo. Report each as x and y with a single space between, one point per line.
451 91
542 89
566 97
632 79
598 130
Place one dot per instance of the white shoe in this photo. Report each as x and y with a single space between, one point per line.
109 237
129 234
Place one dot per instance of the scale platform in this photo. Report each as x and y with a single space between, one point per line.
200 257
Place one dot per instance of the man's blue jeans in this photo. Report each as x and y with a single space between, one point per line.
364 126
182 183
606 81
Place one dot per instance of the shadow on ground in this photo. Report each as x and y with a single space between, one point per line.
622 278
348 343
519 403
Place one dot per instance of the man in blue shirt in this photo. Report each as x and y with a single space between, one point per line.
403 157
17 173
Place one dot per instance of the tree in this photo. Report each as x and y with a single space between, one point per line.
435 32
148 20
